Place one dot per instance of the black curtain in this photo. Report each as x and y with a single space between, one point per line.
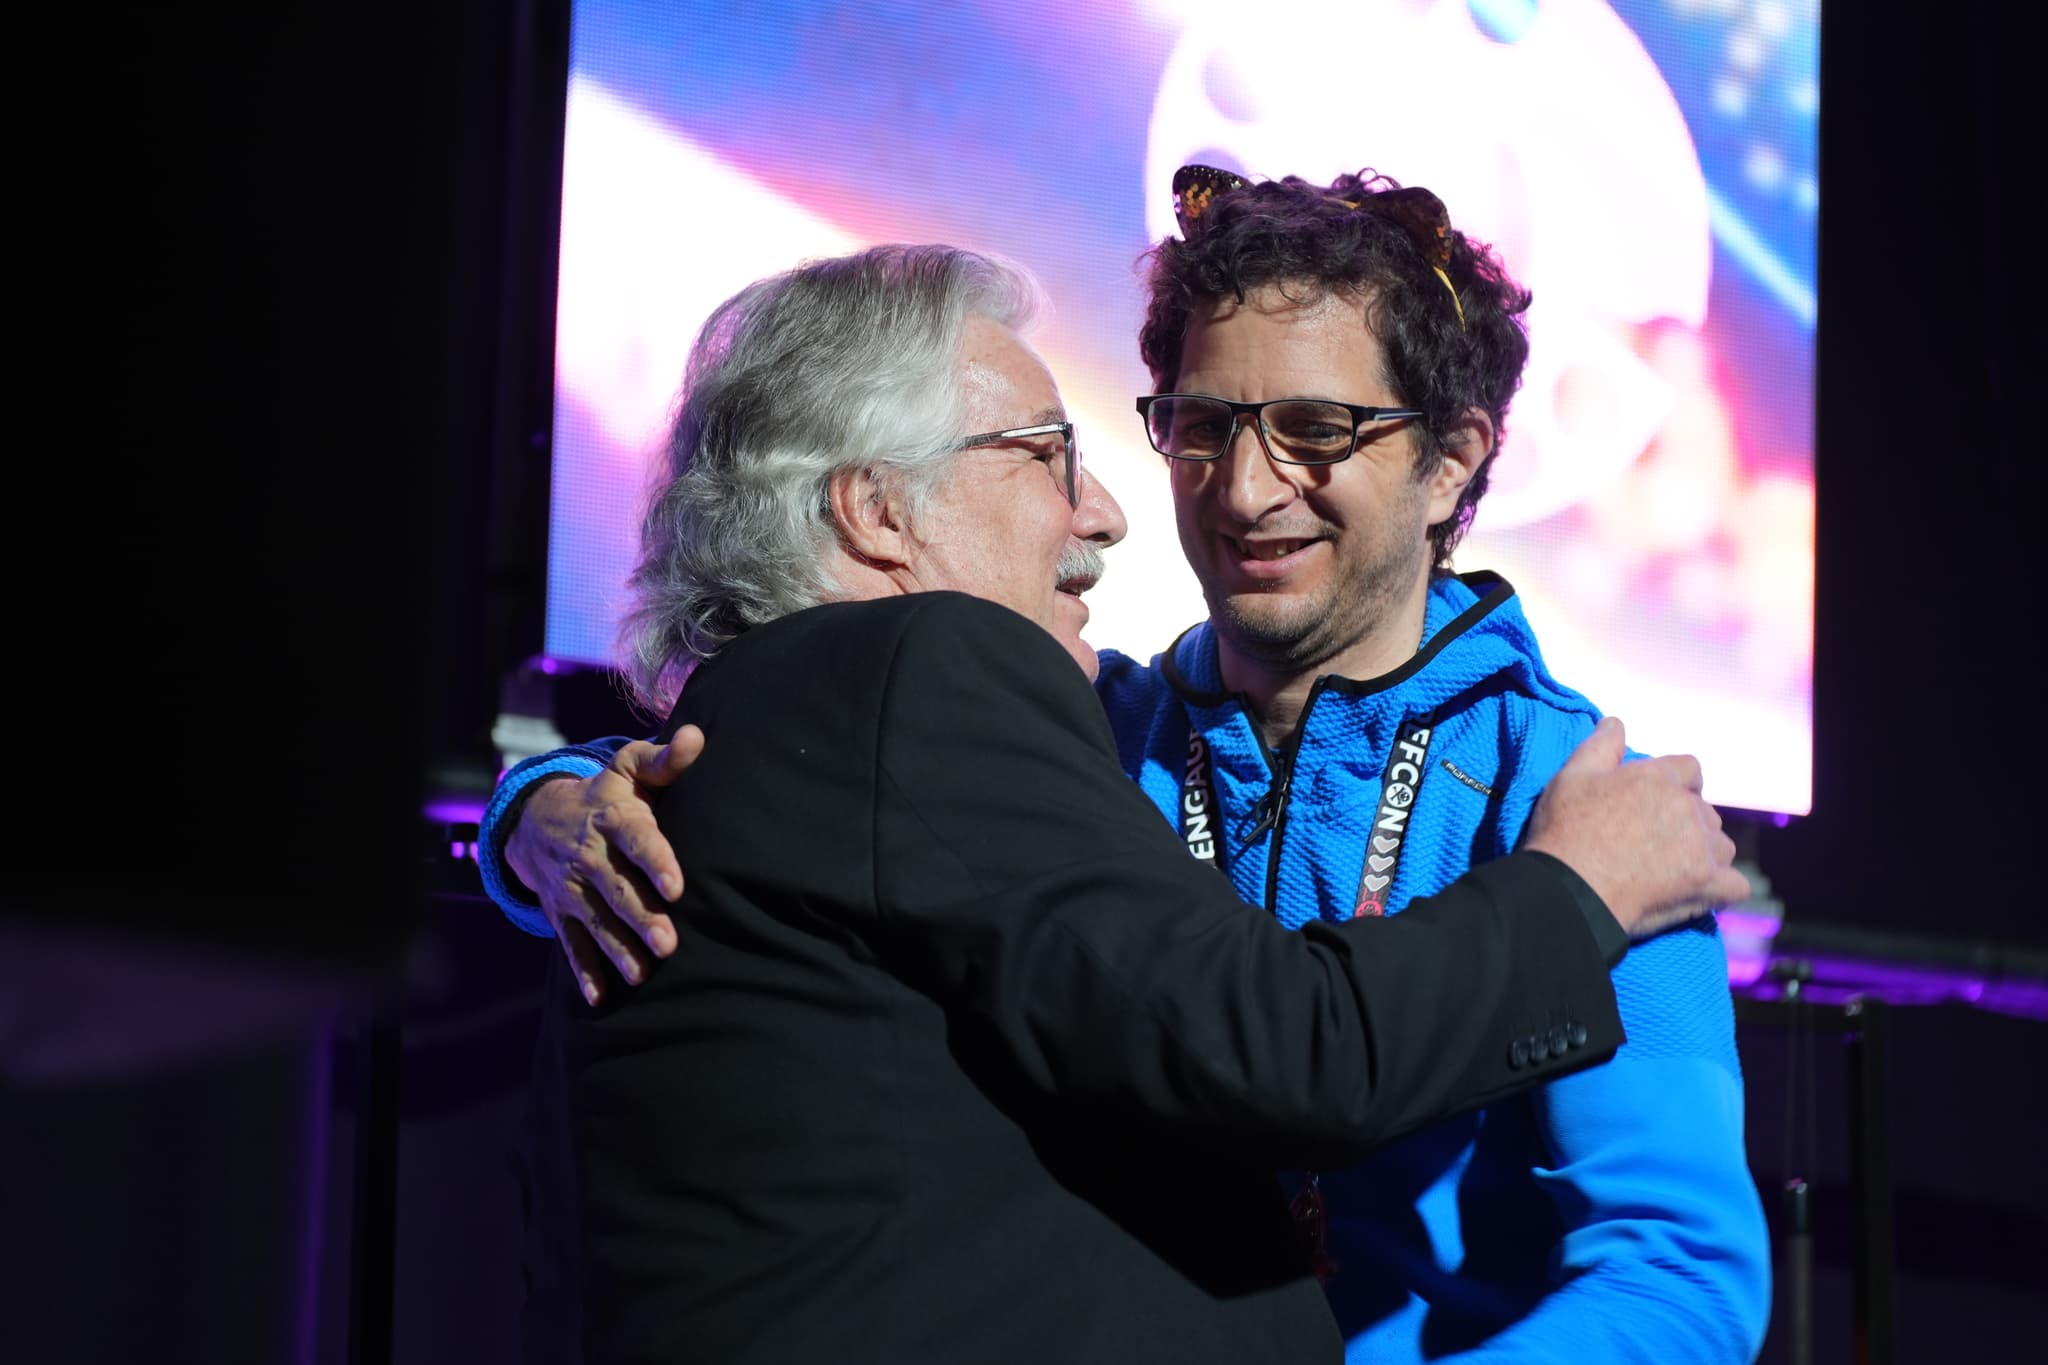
1927 720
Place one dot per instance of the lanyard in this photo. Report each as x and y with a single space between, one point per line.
1400 784
1201 825
1201 822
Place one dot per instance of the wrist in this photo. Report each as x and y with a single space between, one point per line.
508 801
516 861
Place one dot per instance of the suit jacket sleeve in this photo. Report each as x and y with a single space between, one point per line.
1025 879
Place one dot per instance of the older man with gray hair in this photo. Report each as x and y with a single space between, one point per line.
960 1056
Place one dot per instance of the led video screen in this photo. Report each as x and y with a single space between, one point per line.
1647 168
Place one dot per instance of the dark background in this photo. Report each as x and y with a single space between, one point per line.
269 589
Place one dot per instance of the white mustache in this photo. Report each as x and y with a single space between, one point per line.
1080 559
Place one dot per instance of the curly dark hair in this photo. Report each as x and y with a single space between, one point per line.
1305 240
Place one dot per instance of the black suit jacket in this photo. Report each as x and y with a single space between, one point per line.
962 1058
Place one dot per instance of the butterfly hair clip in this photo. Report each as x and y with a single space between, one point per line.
1414 210
1195 189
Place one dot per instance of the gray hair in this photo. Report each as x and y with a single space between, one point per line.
839 364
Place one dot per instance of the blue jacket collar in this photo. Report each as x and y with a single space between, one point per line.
1461 610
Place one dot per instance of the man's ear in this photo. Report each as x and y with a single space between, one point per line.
1467 447
869 515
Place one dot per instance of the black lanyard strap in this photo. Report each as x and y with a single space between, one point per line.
1201 824
1400 785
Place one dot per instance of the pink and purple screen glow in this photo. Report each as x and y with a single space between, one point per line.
1646 168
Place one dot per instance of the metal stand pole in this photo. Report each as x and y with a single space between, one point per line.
374 1235
1796 1274
1796 1271
1870 1179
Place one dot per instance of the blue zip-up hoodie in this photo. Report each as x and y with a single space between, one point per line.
1610 1216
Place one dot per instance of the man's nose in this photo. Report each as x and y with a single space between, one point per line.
1098 517
1248 483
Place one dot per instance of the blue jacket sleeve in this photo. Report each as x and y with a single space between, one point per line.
500 883
1664 1253
1665 1256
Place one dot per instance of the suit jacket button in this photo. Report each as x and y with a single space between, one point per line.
1539 1048
1558 1042
1575 1033
1518 1053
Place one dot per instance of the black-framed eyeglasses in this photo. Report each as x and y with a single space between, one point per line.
1068 461
1195 426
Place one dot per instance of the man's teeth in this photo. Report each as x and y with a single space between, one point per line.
1271 549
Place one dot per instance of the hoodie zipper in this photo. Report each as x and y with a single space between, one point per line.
1272 807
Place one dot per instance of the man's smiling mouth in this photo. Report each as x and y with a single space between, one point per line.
1272 549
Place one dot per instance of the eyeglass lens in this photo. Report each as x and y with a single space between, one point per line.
1298 429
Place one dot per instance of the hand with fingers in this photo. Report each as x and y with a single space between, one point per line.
592 854
1640 833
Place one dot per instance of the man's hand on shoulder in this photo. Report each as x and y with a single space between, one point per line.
1640 834
592 854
